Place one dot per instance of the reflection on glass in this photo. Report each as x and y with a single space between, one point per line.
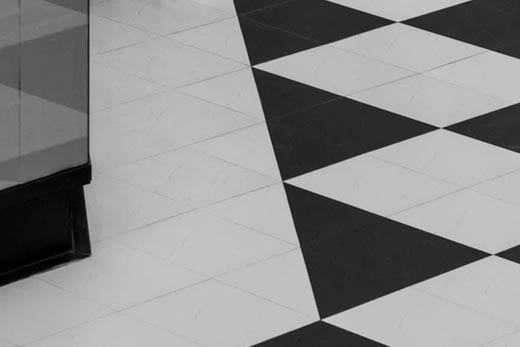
43 88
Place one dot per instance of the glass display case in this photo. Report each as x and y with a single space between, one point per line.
44 159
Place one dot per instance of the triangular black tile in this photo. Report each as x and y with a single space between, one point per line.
244 6
265 43
320 20
281 96
354 256
500 128
320 334
76 5
493 24
512 254
356 127
298 154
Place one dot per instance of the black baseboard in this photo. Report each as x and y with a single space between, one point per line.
43 224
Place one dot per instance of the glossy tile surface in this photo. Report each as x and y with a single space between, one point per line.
304 173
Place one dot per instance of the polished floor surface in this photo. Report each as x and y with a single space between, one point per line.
294 173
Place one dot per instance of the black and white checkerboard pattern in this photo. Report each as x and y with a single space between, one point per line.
396 129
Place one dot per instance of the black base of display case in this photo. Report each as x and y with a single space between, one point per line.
43 223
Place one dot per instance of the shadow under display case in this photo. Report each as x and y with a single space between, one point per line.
44 159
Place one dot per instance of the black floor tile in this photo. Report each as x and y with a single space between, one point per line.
320 334
281 96
493 24
356 127
264 43
512 254
354 256
244 6
500 128
319 19
298 154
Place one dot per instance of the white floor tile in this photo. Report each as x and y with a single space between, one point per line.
250 148
167 62
373 185
191 177
334 70
282 279
115 207
489 73
106 35
430 100
408 47
511 340
114 144
470 218
224 5
159 16
204 243
223 38
109 87
31 309
489 286
116 330
119 277
266 210
398 10
5 344
506 188
217 315
236 90
410 318
178 117
452 157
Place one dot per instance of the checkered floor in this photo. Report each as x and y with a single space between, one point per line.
295 173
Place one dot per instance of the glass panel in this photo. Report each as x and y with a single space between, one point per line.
51 87
9 90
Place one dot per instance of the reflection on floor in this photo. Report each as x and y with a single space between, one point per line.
294 173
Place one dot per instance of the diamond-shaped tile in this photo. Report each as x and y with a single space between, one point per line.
430 100
410 318
398 10
218 315
373 185
512 254
504 187
500 128
408 47
320 20
222 38
281 96
266 43
159 16
167 62
265 210
235 90
319 334
492 24
244 6
356 127
282 279
297 153
470 218
205 243
354 256
334 70
489 73
250 148
191 177
489 286
452 157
